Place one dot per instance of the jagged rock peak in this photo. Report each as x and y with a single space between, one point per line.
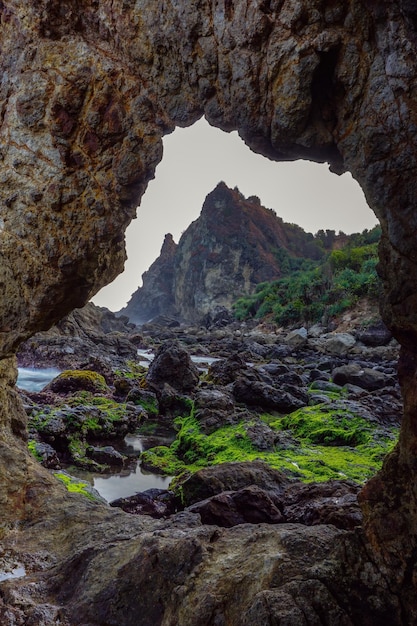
155 297
224 254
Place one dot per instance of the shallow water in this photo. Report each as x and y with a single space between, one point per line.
35 379
113 486
132 479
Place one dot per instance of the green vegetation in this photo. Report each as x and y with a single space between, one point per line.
81 419
328 443
33 451
309 291
74 486
133 371
73 380
150 405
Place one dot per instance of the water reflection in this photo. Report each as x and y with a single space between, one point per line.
131 479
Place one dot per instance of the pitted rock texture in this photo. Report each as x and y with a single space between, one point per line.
88 89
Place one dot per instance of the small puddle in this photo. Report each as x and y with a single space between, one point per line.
113 486
133 479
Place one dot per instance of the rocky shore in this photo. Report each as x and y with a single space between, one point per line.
258 504
309 405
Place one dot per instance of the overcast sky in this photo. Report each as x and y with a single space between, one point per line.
195 160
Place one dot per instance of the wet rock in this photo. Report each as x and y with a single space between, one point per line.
375 335
137 395
326 385
333 502
81 340
172 366
249 505
214 408
71 381
338 344
364 377
47 455
262 436
226 371
106 455
259 394
297 338
157 503
231 477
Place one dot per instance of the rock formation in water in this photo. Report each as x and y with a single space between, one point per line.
233 246
88 89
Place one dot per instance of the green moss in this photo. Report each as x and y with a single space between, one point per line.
150 405
83 379
164 460
33 451
132 371
328 444
74 486
321 424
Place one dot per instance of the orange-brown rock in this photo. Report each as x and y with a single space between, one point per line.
232 247
88 89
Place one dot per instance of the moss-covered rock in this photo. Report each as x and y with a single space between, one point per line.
71 381
75 424
78 486
323 444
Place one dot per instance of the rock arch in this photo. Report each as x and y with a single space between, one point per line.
89 88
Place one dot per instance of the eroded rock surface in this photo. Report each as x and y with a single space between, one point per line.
88 89
224 254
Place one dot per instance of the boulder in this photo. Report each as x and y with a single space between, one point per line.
332 502
47 455
297 338
363 377
375 335
338 344
71 381
256 393
226 371
106 455
157 503
214 480
172 365
214 408
251 505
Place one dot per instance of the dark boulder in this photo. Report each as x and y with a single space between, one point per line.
157 503
253 392
375 335
226 371
214 480
364 377
249 505
214 408
333 502
71 381
106 455
172 365
47 455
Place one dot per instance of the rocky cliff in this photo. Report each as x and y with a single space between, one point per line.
233 246
88 90
156 296
91 335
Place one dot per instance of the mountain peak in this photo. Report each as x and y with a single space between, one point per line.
224 254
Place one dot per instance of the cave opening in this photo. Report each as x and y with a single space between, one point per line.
195 160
